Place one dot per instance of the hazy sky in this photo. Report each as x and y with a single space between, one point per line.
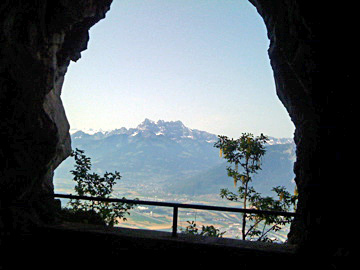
202 62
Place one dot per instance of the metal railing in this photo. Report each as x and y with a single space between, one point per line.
176 206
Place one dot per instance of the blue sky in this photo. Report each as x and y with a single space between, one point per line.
202 62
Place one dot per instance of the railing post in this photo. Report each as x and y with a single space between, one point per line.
175 218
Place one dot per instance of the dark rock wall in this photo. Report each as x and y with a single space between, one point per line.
37 41
313 82
293 52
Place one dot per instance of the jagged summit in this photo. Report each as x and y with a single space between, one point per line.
146 124
174 130
175 158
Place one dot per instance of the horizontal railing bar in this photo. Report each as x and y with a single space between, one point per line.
179 205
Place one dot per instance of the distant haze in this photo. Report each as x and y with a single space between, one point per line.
172 157
202 62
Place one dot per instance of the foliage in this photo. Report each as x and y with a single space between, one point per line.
81 216
205 230
92 184
247 151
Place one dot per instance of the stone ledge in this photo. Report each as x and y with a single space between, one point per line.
146 235
70 246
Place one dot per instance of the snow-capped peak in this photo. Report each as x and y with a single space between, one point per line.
89 131
174 130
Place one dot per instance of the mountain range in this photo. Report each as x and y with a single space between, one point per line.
179 159
174 130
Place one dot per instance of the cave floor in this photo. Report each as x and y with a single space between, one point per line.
74 245
70 244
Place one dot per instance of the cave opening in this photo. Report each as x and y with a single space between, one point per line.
40 40
115 88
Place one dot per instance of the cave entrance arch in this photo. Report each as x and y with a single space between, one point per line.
37 50
106 60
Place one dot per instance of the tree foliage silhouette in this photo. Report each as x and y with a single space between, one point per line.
94 185
248 151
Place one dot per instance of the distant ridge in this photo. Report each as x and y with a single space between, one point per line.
172 157
174 130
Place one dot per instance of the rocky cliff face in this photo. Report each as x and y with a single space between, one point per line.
294 34
38 41
321 112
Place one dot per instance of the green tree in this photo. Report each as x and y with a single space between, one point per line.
248 151
205 230
92 184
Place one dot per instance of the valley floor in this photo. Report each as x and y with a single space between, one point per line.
160 218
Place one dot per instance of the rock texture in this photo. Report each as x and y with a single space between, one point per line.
321 106
294 55
38 39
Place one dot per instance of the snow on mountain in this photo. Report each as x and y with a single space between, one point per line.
183 159
273 140
174 130
89 131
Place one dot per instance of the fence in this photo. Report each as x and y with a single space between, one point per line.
176 206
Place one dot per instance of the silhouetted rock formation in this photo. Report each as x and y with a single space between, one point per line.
38 41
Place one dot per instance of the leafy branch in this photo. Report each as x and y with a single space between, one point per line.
248 151
92 184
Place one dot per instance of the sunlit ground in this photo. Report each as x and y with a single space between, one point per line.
160 218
